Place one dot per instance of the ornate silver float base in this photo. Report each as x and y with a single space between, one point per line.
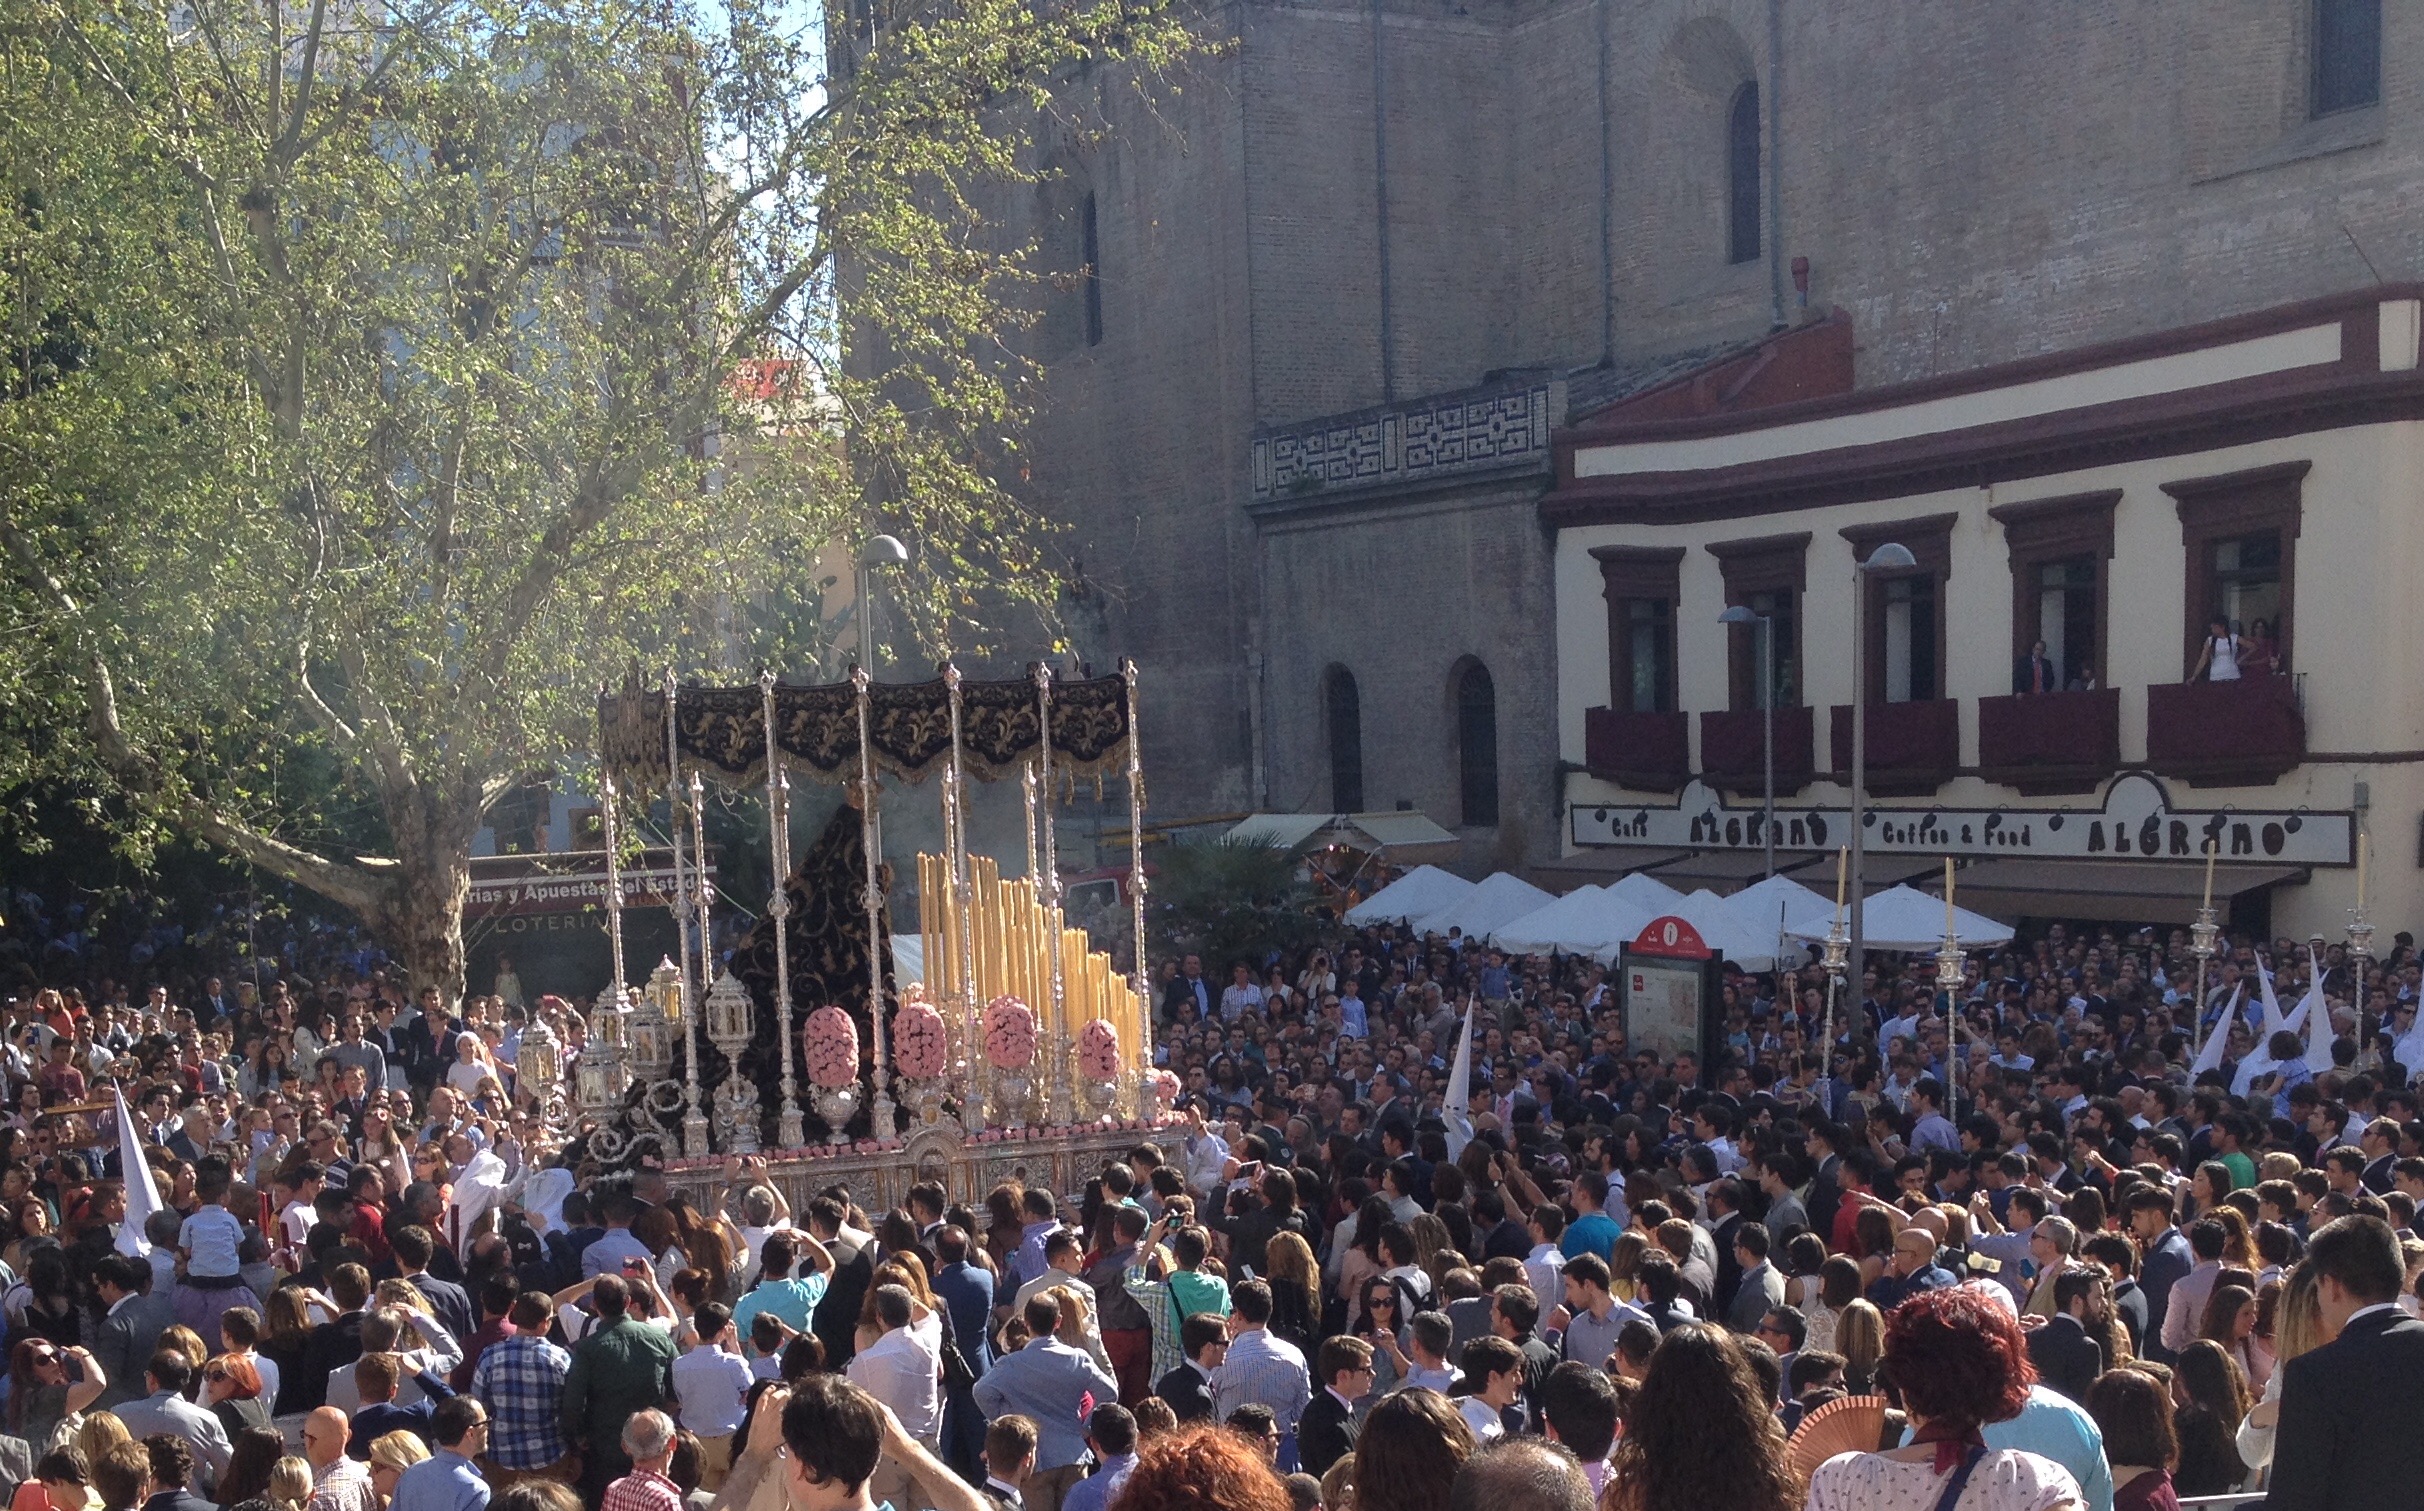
879 1175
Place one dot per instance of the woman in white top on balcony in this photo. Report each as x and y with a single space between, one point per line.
2219 660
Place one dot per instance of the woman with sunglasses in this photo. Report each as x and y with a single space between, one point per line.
48 1386
1386 1331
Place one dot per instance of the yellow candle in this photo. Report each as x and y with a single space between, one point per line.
2360 868
1948 897
1843 860
2211 849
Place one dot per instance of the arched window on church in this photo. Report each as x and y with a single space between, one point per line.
1742 176
1343 707
1477 745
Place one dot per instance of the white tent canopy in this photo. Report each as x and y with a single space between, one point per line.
1646 892
1768 906
1498 898
1907 920
1721 931
1586 921
1425 889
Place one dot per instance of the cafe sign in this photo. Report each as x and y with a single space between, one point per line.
2136 820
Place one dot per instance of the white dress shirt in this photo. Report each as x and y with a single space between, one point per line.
903 1370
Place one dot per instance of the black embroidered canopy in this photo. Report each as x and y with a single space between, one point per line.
721 731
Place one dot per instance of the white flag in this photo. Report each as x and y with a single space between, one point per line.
142 1192
2313 999
1458 1113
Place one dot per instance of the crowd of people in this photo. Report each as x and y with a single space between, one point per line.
2077 1264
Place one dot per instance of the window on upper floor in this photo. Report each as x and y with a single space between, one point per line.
2347 49
1905 634
1343 713
1742 176
1477 745
2241 534
1765 574
2059 550
1642 585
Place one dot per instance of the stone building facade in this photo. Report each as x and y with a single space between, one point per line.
1353 271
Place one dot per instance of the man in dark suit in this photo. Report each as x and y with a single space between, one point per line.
413 1247
2165 1256
2067 1357
131 1325
2349 1410
2036 672
1009 1459
1327 1431
1188 1388
835 1321
335 1343
172 1475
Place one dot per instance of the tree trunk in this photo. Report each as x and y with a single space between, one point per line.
423 924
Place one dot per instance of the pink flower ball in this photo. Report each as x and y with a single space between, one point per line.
920 1044
1009 1034
831 1042
1098 1051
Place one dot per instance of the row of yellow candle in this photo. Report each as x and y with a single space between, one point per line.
1012 952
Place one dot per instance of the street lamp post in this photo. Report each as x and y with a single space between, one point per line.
1766 623
1889 557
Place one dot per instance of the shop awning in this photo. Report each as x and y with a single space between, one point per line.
1393 830
2123 891
1601 864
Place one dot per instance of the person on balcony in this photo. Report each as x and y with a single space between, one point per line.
2223 655
2036 672
2263 656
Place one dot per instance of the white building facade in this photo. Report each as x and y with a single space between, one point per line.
2075 523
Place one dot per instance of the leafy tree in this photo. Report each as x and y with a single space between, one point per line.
383 376
1229 900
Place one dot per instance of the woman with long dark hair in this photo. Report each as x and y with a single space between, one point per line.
41 1394
2212 1399
1701 1433
2134 1412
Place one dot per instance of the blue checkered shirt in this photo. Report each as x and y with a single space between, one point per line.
521 1381
1266 1370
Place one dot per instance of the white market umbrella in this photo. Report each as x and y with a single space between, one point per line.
1907 920
1586 921
908 957
1421 891
1721 931
1771 903
1498 898
1646 892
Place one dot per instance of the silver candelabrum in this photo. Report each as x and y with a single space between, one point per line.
731 1024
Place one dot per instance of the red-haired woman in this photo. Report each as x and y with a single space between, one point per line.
1957 1359
1202 1468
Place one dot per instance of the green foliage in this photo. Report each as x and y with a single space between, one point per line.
375 392
1229 900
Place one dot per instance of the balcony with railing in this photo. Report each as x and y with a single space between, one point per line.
2050 742
1733 746
1645 752
1912 748
2243 733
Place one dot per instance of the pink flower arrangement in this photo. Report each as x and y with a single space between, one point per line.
920 1047
914 991
832 1045
1098 1051
1164 1087
1009 1033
